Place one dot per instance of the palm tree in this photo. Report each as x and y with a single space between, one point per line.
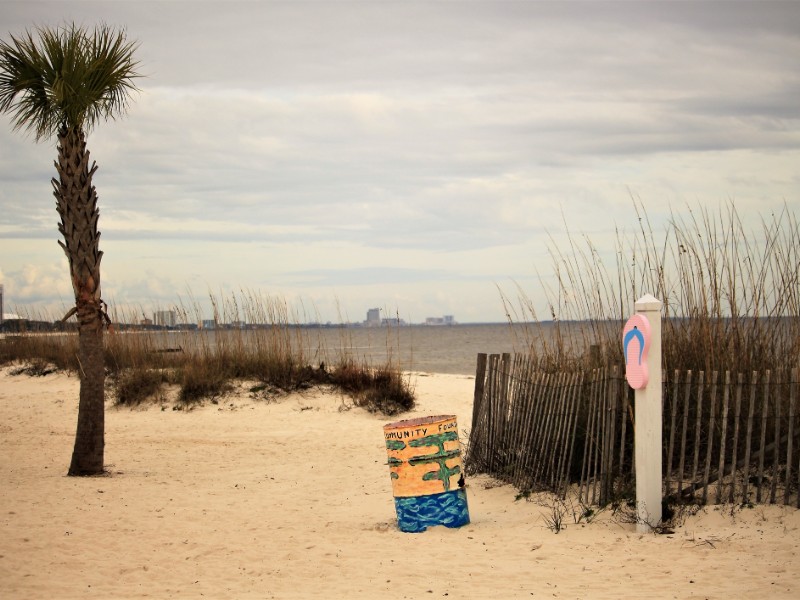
61 85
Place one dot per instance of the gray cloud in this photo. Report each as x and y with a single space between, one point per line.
383 135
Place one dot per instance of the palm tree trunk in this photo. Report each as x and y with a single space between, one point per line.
76 203
88 452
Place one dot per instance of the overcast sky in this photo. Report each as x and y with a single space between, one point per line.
412 156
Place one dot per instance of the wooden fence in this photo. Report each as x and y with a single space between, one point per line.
729 437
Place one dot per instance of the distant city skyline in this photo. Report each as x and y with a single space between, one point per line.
427 158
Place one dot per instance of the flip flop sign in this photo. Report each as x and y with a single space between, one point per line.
635 344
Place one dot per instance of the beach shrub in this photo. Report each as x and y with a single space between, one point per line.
199 381
283 374
36 367
381 390
135 385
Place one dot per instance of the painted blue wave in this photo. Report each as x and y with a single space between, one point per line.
417 513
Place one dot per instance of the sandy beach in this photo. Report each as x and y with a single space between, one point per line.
292 499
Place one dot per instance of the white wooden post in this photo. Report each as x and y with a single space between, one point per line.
648 424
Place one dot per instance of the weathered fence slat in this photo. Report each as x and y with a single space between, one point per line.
541 426
496 383
710 444
697 426
613 385
477 398
557 448
558 431
528 438
544 421
476 444
671 445
591 435
516 410
602 439
574 421
793 380
624 428
762 451
487 415
723 435
486 422
587 446
750 412
561 423
598 435
549 439
773 488
501 414
564 436
512 383
608 441
683 431
736 419
594 449
532 407
525 404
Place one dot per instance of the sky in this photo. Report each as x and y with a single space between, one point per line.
421 157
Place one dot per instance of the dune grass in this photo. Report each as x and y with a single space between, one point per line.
731 294
266 345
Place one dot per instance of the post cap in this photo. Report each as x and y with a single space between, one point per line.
647 303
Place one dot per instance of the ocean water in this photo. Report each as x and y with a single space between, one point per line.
448 349
431 349
451 349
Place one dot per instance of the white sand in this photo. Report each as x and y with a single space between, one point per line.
293 500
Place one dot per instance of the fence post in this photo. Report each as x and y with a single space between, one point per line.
480 382
648 412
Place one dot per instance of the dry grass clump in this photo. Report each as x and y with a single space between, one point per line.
37 367
134 386
381 390
202 382
60 350
731 295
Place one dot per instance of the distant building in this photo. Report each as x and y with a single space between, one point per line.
392 322
1 304
373 317
209 324
165 318
445 320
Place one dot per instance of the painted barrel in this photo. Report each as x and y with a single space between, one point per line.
426 472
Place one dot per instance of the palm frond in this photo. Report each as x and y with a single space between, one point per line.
69 76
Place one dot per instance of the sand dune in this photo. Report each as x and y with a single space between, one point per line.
293 499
